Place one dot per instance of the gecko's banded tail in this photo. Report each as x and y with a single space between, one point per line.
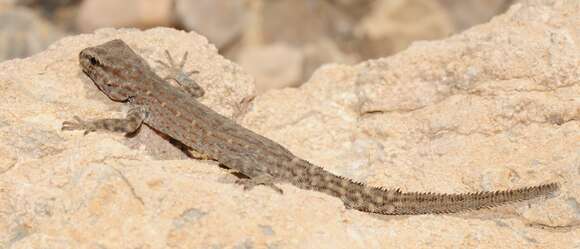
394 202
433 203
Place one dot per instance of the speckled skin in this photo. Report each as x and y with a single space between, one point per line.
124 76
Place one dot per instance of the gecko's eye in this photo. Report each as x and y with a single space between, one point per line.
93 61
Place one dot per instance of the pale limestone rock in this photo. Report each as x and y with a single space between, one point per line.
275 66
495 107
95 14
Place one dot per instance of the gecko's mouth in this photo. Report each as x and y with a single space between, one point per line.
90 73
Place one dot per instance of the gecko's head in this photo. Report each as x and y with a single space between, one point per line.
113 67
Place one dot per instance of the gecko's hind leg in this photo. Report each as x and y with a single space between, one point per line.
181 77
250 183
265 180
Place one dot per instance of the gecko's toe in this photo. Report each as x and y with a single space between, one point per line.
77 124
191 72
276 188
249 184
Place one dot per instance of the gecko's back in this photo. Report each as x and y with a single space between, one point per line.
124 76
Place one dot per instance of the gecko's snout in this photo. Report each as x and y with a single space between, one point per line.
83 59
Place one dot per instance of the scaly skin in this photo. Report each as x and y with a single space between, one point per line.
124 76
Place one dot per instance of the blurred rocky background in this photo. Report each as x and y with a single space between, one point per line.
279 42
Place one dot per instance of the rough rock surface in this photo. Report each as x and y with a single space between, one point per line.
495 107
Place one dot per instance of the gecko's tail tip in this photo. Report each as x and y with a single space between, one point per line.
552 189
433 203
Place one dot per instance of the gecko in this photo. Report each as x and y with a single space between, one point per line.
124 76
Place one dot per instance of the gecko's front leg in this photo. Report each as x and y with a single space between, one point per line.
176 73
183 78
127 125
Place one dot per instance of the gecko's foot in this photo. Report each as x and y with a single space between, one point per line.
243 107
198 155
176 73
250 183
78 124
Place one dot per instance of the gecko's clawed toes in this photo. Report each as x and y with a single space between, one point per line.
77 124
169 58
246 183
192 72
71 125
183 60
162 63
249 184
276 188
